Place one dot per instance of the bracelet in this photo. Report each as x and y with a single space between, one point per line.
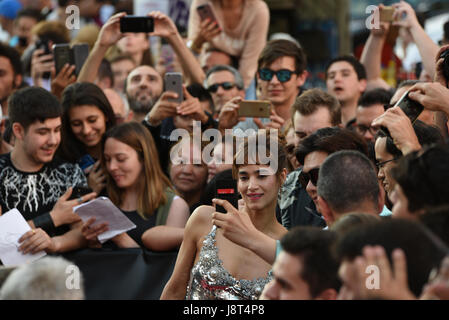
45 222
278 247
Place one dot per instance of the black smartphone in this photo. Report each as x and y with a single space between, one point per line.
411 108
43 43
62 55
226 189
173 83
80 54
79 191
136 24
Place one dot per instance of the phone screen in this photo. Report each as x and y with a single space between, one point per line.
226 190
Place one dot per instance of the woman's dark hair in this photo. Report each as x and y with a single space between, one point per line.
423 177
79 94
425 133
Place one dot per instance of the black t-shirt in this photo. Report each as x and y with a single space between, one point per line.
142 225
35 193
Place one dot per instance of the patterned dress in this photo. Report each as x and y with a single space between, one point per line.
209 280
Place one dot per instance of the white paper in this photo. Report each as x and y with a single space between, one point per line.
103 210
12 227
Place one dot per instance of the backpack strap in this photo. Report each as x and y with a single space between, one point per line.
162 211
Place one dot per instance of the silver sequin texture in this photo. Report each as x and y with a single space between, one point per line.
209 280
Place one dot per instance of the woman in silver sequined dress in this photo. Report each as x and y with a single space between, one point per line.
209 266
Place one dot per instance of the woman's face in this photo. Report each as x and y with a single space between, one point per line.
383 174
218 162
88 124
189 173
133 43
258 185
122 163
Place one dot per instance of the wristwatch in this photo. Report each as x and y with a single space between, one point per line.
191 45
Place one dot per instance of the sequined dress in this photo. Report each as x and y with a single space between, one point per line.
209 280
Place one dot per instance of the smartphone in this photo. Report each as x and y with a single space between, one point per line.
255 109
80 53
173 83
86 163
62 55
136 24
205 11
411 108
42 43
386 14
79 191
226 189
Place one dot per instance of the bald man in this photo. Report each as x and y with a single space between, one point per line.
120 107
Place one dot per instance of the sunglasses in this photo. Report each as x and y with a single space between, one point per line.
225 85
283 75
311 176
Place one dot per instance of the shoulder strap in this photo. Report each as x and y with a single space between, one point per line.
162 211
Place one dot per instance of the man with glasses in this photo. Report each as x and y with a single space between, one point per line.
371 105
224 83
404 138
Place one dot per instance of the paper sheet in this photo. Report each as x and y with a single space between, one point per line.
12 228
103 210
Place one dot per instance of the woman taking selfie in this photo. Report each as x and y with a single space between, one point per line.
209 266
87 116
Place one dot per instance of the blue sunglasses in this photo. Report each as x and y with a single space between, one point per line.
283 75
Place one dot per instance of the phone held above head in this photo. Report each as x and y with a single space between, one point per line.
136 24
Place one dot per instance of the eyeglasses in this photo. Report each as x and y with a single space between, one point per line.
380 165
225 85
283 75
311 176
362 129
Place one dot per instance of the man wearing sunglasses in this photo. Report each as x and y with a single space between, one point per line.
224 83
281 73
313 150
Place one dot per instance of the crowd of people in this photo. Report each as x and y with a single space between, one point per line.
354 180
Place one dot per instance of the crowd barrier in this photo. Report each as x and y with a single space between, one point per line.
124 274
